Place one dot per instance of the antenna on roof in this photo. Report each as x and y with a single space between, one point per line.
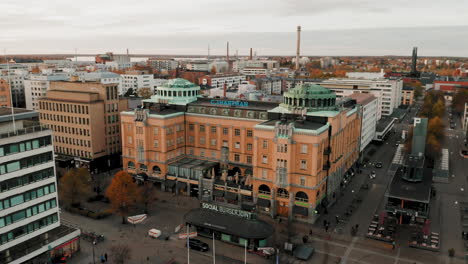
11 93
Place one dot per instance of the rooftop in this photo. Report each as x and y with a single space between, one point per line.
306 124
179 83
411 191
383 123
362 98
230 103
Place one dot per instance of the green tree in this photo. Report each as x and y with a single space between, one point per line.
75 186
123 194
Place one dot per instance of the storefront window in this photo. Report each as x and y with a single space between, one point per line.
225 237
242 241
262 243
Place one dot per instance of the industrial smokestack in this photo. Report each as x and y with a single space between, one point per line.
224 90
227 57
414 60
250 57
298 48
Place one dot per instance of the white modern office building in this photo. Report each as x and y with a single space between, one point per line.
29 211
368 107
36 86
388 92
136 81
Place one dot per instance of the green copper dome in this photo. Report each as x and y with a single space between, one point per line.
179 83
312 97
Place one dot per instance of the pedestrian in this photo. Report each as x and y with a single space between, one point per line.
393 245
102 259
357 227
324 222
105 256
326 227
310 232
463 234
337 219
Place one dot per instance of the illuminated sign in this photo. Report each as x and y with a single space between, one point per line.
229 103
227 210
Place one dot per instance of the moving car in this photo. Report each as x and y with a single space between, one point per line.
378 165
197 245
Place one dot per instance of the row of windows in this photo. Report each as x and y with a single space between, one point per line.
29 228
68 108
25 145
112 119
28 212
25 162
213 129
73 141
27 196
26 179
74 152
65 119
111 93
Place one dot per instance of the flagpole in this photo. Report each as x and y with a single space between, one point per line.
188 246
245 253
214 254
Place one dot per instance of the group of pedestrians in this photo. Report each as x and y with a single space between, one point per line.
104 258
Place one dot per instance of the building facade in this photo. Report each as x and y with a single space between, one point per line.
36 86
368 110
162 64
219 80
407 96
286 160
84 118
29 212
5 98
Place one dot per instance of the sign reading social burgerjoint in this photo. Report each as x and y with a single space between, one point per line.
229 103
227 210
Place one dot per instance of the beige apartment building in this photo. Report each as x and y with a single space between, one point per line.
84 118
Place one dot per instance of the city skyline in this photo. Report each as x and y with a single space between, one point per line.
329 27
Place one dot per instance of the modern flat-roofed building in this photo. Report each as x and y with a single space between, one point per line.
286 160
36 86
368 110
30 229
231 80
84 118
407 95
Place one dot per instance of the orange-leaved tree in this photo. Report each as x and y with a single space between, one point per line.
123 194
75 187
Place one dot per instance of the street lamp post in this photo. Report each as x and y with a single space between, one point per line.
94 258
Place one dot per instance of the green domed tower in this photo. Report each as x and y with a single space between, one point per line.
176 91
311 97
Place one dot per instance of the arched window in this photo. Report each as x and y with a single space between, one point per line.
264 189
143 167
302 196
156 169
130 164
283 193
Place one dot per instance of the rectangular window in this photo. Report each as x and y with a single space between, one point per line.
213 129
129 140
303 181
225 131
191 127
237 145
249 146
236 157
264 159
202 140
249 133
213 142
249 159
225 143
202 128
156 143
303 164
213 154
237 132
202 153
264 174
304 149
265 144
156 131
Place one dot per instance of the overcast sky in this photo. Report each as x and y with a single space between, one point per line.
330 27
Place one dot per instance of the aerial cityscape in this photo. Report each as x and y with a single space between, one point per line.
233 132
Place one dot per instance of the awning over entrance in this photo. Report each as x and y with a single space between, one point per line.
170 183
218 193
181 185
300 210
241 227
230 196
263 202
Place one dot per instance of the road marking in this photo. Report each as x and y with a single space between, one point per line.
348 250
397 257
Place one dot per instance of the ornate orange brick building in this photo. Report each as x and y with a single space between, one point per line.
287 159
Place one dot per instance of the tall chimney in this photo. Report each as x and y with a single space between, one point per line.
224 90
227 57
250 57
298 48
414 60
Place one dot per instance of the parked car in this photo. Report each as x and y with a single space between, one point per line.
372 175
197 245
378 165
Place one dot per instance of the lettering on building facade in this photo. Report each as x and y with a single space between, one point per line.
229 103
227 210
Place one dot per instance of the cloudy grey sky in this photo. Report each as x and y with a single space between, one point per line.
330 27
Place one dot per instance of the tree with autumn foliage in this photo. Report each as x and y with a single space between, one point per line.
460 98
145 93
75 187
123 194
436 127
213 70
